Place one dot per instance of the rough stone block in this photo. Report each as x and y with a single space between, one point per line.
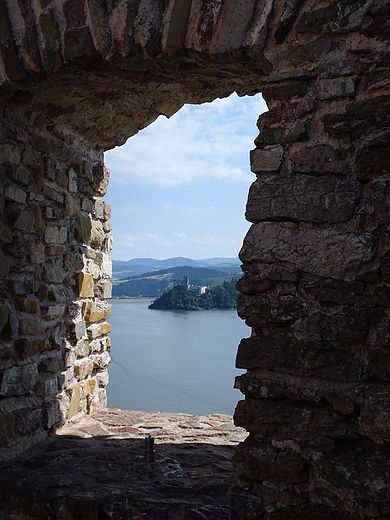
101 360
84 228
85 285
262 462
360 470
53 363
244 503
97 400
89 387
27 420
52 193
283 422
72 206
262 310
37 253
336 292
74 406
101 177
330 252
344 399
47 385
31 326
101 210
321 158
97 330
55 250
15 194
285 91
337 17
65 378
30 221
94 312
302 197
270 118
283 135
79 330
19 380
97 234
53 271
267 160
83 368
9 155
103 290
7 423
83 348
21 176
359 118
30 304
300 54
51 414
281 352
336 88
53 312
105 264
55 234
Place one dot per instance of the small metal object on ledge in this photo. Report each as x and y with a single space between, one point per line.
149 448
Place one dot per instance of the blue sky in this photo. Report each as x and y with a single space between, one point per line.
179 187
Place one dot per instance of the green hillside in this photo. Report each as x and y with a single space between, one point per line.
153 284
180 298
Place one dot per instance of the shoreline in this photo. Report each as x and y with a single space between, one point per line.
135 299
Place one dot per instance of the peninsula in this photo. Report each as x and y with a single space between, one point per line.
181 297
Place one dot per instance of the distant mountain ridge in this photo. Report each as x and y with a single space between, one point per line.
153 283
137 266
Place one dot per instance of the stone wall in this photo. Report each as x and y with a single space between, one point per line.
80 77
55 271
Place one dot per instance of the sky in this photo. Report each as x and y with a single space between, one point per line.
179 187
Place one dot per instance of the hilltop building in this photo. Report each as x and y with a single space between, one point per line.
199 289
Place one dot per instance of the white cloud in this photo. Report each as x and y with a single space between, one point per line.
198 142
187 210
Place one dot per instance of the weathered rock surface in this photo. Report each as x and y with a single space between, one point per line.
97 469
79 77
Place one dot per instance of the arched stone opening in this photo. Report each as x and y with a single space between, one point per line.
80 77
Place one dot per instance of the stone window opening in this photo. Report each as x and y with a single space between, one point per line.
180 210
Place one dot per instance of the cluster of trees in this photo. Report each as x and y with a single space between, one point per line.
180 298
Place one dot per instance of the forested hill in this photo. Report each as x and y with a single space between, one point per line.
180 298
153 284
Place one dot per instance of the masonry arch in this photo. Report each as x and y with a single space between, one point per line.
80 77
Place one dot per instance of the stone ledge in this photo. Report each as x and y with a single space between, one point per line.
97 466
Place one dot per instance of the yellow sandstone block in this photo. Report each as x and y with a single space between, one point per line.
74 407
106 328
89 387
85 285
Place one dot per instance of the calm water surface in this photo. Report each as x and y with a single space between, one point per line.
173 361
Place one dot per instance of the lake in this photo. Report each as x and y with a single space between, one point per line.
173 361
